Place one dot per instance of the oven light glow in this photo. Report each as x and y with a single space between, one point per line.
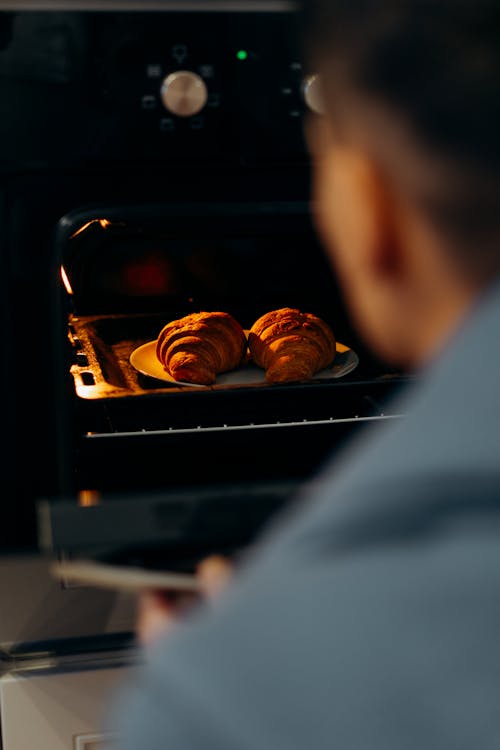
88 498
66 281
242 54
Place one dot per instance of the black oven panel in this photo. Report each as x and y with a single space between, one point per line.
186 88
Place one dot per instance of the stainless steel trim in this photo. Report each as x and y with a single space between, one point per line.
46 662
225 427
148 5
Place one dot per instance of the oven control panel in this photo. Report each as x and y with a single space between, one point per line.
154 86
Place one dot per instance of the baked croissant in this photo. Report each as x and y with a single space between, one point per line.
291 345
194 349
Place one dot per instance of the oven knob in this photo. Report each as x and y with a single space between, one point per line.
184 93
312 94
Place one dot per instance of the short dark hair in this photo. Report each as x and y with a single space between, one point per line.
437 64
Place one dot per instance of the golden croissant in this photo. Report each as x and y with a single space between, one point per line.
291 345
197 347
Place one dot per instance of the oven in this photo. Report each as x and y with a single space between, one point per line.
153 165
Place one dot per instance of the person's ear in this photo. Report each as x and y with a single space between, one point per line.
354 204
381 209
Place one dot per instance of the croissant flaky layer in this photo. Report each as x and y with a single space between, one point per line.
197 347
291 345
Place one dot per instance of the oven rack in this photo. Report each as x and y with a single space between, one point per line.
144 432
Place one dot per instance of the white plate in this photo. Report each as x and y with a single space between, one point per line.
145 361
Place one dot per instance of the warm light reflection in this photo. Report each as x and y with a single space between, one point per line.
65 280
88 498
82 228
104 223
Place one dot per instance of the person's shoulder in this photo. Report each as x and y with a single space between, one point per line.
394 609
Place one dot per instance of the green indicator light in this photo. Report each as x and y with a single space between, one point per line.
242 54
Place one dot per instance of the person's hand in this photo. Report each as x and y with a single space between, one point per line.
159 611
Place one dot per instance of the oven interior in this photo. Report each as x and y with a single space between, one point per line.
231 454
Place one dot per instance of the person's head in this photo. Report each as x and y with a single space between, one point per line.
406 161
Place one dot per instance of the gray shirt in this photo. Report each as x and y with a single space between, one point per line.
368 614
